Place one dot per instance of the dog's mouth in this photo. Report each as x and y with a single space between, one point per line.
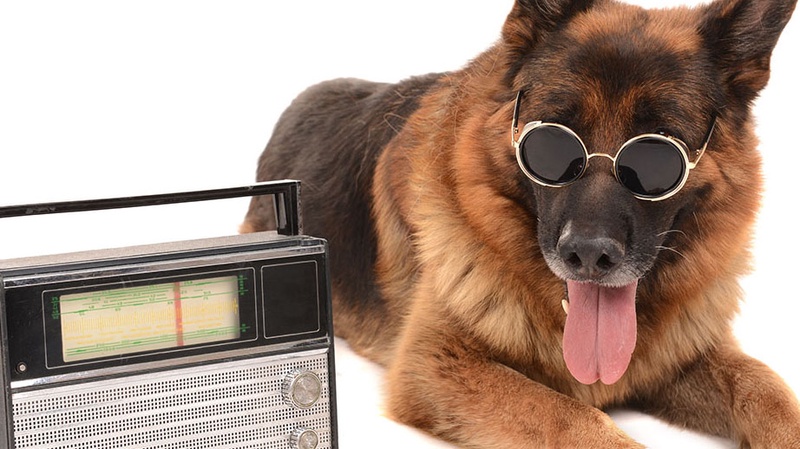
600 332
602 275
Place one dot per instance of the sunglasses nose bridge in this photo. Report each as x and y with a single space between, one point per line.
605 155
600 156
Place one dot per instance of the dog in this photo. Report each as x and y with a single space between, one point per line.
553 230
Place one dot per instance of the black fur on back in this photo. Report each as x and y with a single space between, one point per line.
333 134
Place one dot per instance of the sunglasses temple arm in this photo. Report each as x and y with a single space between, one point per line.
515 119
707 139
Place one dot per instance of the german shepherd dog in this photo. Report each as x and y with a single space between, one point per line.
553 230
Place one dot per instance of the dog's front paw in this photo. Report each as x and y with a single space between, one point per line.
595 430
783 438
769 416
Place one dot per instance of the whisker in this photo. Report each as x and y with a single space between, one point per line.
668 248
670 231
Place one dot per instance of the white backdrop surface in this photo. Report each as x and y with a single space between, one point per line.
105 98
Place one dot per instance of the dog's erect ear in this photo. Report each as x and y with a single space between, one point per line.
741 35
529 21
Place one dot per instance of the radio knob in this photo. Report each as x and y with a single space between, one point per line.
301 388
303 438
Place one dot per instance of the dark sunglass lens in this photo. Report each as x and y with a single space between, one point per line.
651 167
552 155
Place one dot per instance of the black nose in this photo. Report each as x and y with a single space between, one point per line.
590 258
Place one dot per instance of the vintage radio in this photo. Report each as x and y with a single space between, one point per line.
213 343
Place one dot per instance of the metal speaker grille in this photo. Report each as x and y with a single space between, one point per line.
232 405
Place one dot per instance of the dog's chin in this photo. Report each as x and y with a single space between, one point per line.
600 328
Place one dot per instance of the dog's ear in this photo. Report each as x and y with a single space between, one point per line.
529 21
741 34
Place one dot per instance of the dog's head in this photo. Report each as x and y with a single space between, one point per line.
609 72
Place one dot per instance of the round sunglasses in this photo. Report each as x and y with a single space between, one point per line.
652 167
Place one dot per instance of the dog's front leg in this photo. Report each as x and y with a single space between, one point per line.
443 384
730 394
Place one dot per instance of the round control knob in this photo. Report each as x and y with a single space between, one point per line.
303 438
301 388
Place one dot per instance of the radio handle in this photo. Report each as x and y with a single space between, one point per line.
286 194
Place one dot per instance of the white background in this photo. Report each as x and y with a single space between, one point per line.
107 98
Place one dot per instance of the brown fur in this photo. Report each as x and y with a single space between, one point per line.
465 312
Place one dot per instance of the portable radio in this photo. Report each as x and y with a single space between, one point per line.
214 343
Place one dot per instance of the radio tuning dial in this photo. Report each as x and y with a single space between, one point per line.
303 438
301 388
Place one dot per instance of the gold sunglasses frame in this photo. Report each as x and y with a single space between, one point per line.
678 144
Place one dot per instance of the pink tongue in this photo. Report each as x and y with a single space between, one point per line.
600 333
